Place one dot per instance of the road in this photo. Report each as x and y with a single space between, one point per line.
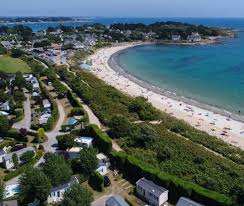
101 201
26 122
51 144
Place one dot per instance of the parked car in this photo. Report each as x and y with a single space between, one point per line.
107 181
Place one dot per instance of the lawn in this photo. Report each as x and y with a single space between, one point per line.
12 65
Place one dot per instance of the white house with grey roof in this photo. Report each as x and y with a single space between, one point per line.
57 193
183 201
152 193
8 161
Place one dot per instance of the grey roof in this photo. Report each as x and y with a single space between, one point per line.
10 203
116 200
19 153
2 152
151 186
183 201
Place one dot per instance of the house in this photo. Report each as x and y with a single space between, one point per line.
7 45
84 141
150 192
9 203
103 164
5 106
7 159
4 113
2 154
74 152
43 120
103 158
102 168
194 37
116 200
57 193
176 37
46 103
183 201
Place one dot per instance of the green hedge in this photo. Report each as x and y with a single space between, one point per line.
176 186
96 181
76 103
102 140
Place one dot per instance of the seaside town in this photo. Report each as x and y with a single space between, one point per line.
75 131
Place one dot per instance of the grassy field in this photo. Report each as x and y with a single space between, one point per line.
12 65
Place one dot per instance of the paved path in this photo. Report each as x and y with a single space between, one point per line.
26 122
101 201
51 144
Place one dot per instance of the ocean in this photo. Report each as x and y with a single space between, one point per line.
210 74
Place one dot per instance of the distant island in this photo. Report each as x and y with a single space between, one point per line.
21 20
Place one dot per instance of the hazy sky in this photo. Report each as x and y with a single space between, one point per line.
123 8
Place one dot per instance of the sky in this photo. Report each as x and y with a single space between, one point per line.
123 8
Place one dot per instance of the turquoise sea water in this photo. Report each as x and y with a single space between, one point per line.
212 74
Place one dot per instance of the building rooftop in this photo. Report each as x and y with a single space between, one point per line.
151 186
116 200
19 153
183 201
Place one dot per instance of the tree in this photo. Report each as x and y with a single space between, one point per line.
27 156
96 181
120 126
34 184
87 163
57 169
2 190
4 124
65 141
19 81
23 132
40 133
19 96
15 159
16 53
77 196
3 96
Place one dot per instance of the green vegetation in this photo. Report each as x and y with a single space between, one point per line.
34 185
177 187
77 196
165 147
23 168
27 156
56 169
96 181
87 162
12 65
102 140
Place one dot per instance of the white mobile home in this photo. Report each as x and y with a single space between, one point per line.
183 201
150 192
57 193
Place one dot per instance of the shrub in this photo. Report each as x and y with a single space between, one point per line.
175 185
77 111
102 140
27 156
96 181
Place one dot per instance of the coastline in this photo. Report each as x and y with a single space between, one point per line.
215 123
79 21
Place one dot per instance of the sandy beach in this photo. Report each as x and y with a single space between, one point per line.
229 130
